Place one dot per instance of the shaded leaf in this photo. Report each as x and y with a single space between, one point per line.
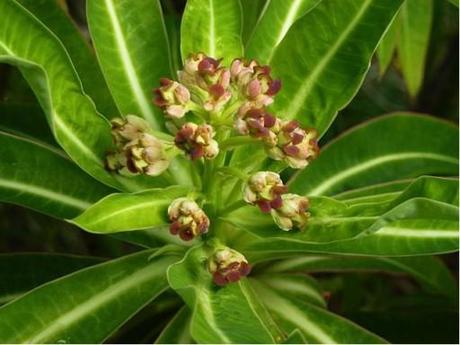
177 331
387 46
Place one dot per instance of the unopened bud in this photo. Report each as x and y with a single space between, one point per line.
292 213
264 189
296 146
197 141
172 97
188 220
127 129
258 123
228 266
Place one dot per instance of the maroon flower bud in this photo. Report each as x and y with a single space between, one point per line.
197 141
188 220
228 266
265 189
292 213
257 123
173 98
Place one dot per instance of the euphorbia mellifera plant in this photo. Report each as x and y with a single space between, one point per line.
216 177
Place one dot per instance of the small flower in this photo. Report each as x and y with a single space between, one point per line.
293 212
173 98
264 189
228 266
188 220
296 146
254 82
258 123
197 141
127 129
207 81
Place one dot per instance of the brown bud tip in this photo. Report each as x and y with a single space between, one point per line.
274 87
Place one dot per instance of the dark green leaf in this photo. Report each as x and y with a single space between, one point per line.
177 331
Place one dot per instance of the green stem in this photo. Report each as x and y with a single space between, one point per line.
238 141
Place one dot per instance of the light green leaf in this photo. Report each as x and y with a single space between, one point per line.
126 212
72 116
427 270
274 23
387 46
414 37
53 13
132 47
389 148
295 337
177 331
230 314
324 57
39 176
212 27
316 324
86 306
22 272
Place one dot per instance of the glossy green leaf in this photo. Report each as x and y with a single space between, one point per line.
416 227
22 272
427 270
274 23
414 37
126 212
252 9
316 324
78 128
389 148
212 27
39 176
132 47
53 14
324 57
86 306
386 188
230 314
177 331
387 46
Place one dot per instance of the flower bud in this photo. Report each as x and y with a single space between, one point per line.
228 266
293 212
264 189
188 220
173 98
207 81
257 123
296 146
127 129
142 155
197 141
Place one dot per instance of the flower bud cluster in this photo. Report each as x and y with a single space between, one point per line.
137 151
173 98
197 141
187 219
228 266
266 190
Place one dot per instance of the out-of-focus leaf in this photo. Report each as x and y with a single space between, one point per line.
86 306
454 2
53 14
295 337
22 272
39 176
212 27
126 212
132 47
389 148
316 324
387 46
229 314
274 23
324 57
252 9
416 17
177 331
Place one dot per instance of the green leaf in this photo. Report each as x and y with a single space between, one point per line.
39 176
316 324
387 188
252 9
86 306
387 46
212 27
413 145
427 270
295 337
78 128
126 212
177 331
22 272
416 227
454 2
132 47
324 57
414 37
274 23
53 13
230 314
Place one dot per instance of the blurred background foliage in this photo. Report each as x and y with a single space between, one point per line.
419 75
